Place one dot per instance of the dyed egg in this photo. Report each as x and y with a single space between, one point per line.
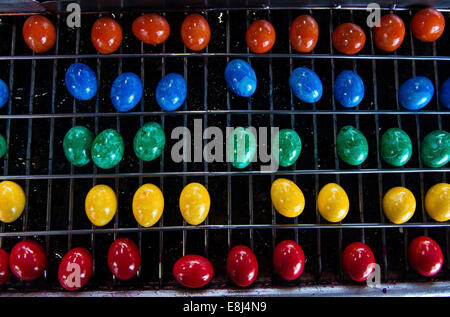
288 260
437 202
194 203
428 25
332 202
171 92
399 204
240 77
349 38
126 91
241 147
107 149
425 256
305 84
27 260
5 273
75 269
416 93
444 94
390 34
351 145
151 28
4 93
39 33
77 145
358 261
288 145
242 266
148 205
349 89
149 141
193 271
396 147
260 36
81 81
12 201
3 146
124 258
303 33
195 32
287 198
435 148
106 35
101 205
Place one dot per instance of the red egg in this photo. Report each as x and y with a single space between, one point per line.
425 256
390 34
193 271
242 266
39 33
358 261
288 259
75 269
106 35
428 25
303 33
195 32
151 28
124 258
349 38
260 36
27 260
5 273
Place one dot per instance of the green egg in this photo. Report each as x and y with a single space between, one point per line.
351 145
77 145
396 147
149 141
435 148
241 147
107 149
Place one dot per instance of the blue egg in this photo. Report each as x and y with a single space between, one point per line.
416 93
171 92
445 93
81 81
240 77
349 89
126 91
305 84
4 93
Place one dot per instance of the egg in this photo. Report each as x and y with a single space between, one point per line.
287 198
194 203
126 91
241 147
332 202
348 38
240 78
149 141
5 272
349 89
286 147
358 261
4 93
260 36
148 205
101 205
435 148
151 28
27 260
351 145
81 81
428 25
75 269
396 147
304 33
425 256
107 149
106 35
3 146
306 85
171 92
124 258
77 145
399 204
288 260
242 266
193 271
416 93
12 201
39 33
444 94
437 202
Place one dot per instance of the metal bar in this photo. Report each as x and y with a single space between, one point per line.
185 61
229 195
205 125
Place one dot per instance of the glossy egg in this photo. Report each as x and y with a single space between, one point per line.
390 34
5 273
242 266
358 261
12 201
193 271
287 198
399 204
349 38
396 147
288 145
260 36
151 28
81 81
288 260
101 205
148 205
3 146
107 149
351 145
306 85
437 202
194 203
428 24
77 145
416 93
75 269
195 32
171 92
126 91
27 260
240 77
4 93
304 33
124 258
39 33
444 94
332 202
106 35
435 148
241 147
149 141
425 256
349 89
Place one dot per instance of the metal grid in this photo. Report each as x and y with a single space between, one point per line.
40 109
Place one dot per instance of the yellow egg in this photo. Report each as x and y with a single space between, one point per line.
287 198
101 205
332 202
12 201
437 202
148 205
399 204
194 203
